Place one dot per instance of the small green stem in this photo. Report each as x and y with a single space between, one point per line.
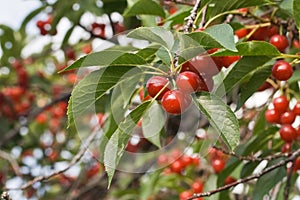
161 72
219 15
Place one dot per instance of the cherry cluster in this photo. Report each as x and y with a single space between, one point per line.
282 115
16 100
195 75
45 26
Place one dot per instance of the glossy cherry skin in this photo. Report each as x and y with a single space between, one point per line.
175 101
157 84
287 117
206 83
272 116
281 104
279 41
241 33
177 166
296 109
197 187
188 82
282 70
286 147
185 195
202 64
287 133
229 180
218 165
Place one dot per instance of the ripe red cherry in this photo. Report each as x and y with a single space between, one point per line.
241 33
176 101
206 83
281 104
287 133
157 84
202 64
186 160
197 186
282 70
229 180
188 82
185 195
177 166
287 117
286 147
297 164
279 41
272 116
296 109
162 160
218 165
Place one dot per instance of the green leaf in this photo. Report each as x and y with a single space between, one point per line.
268 181
108 58
223 34
192 44
295 77
30 16
296 8
252 48
149 183
154 34
179 16
219 6
96 85
261 122
153 123
67 36
117 143
220 117
287 5
248 169
243 68
145 7
250 86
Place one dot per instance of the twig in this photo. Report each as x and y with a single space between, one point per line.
5 196
288 181
248 178
91 32
201 24
191 18
75 159
252 158
12 162
182 2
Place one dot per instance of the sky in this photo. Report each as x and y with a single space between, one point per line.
12 12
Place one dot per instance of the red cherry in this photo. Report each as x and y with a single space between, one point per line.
287 117
93 170
206 83
197 186
296 44
163 160
142 96
41 118
157 84
272 116
175 101
177 166
218 165
282 70
279 41
288 133
229 180
202 64
296 109
286 147
298 131
297 164
281 104
185 195
186 160
188 82
225 61
241 33
264 86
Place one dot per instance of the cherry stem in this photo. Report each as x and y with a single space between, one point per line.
159 71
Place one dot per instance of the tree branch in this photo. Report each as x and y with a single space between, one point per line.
252 158
288 181
75 159
191 18
182 2
292 157
12 162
